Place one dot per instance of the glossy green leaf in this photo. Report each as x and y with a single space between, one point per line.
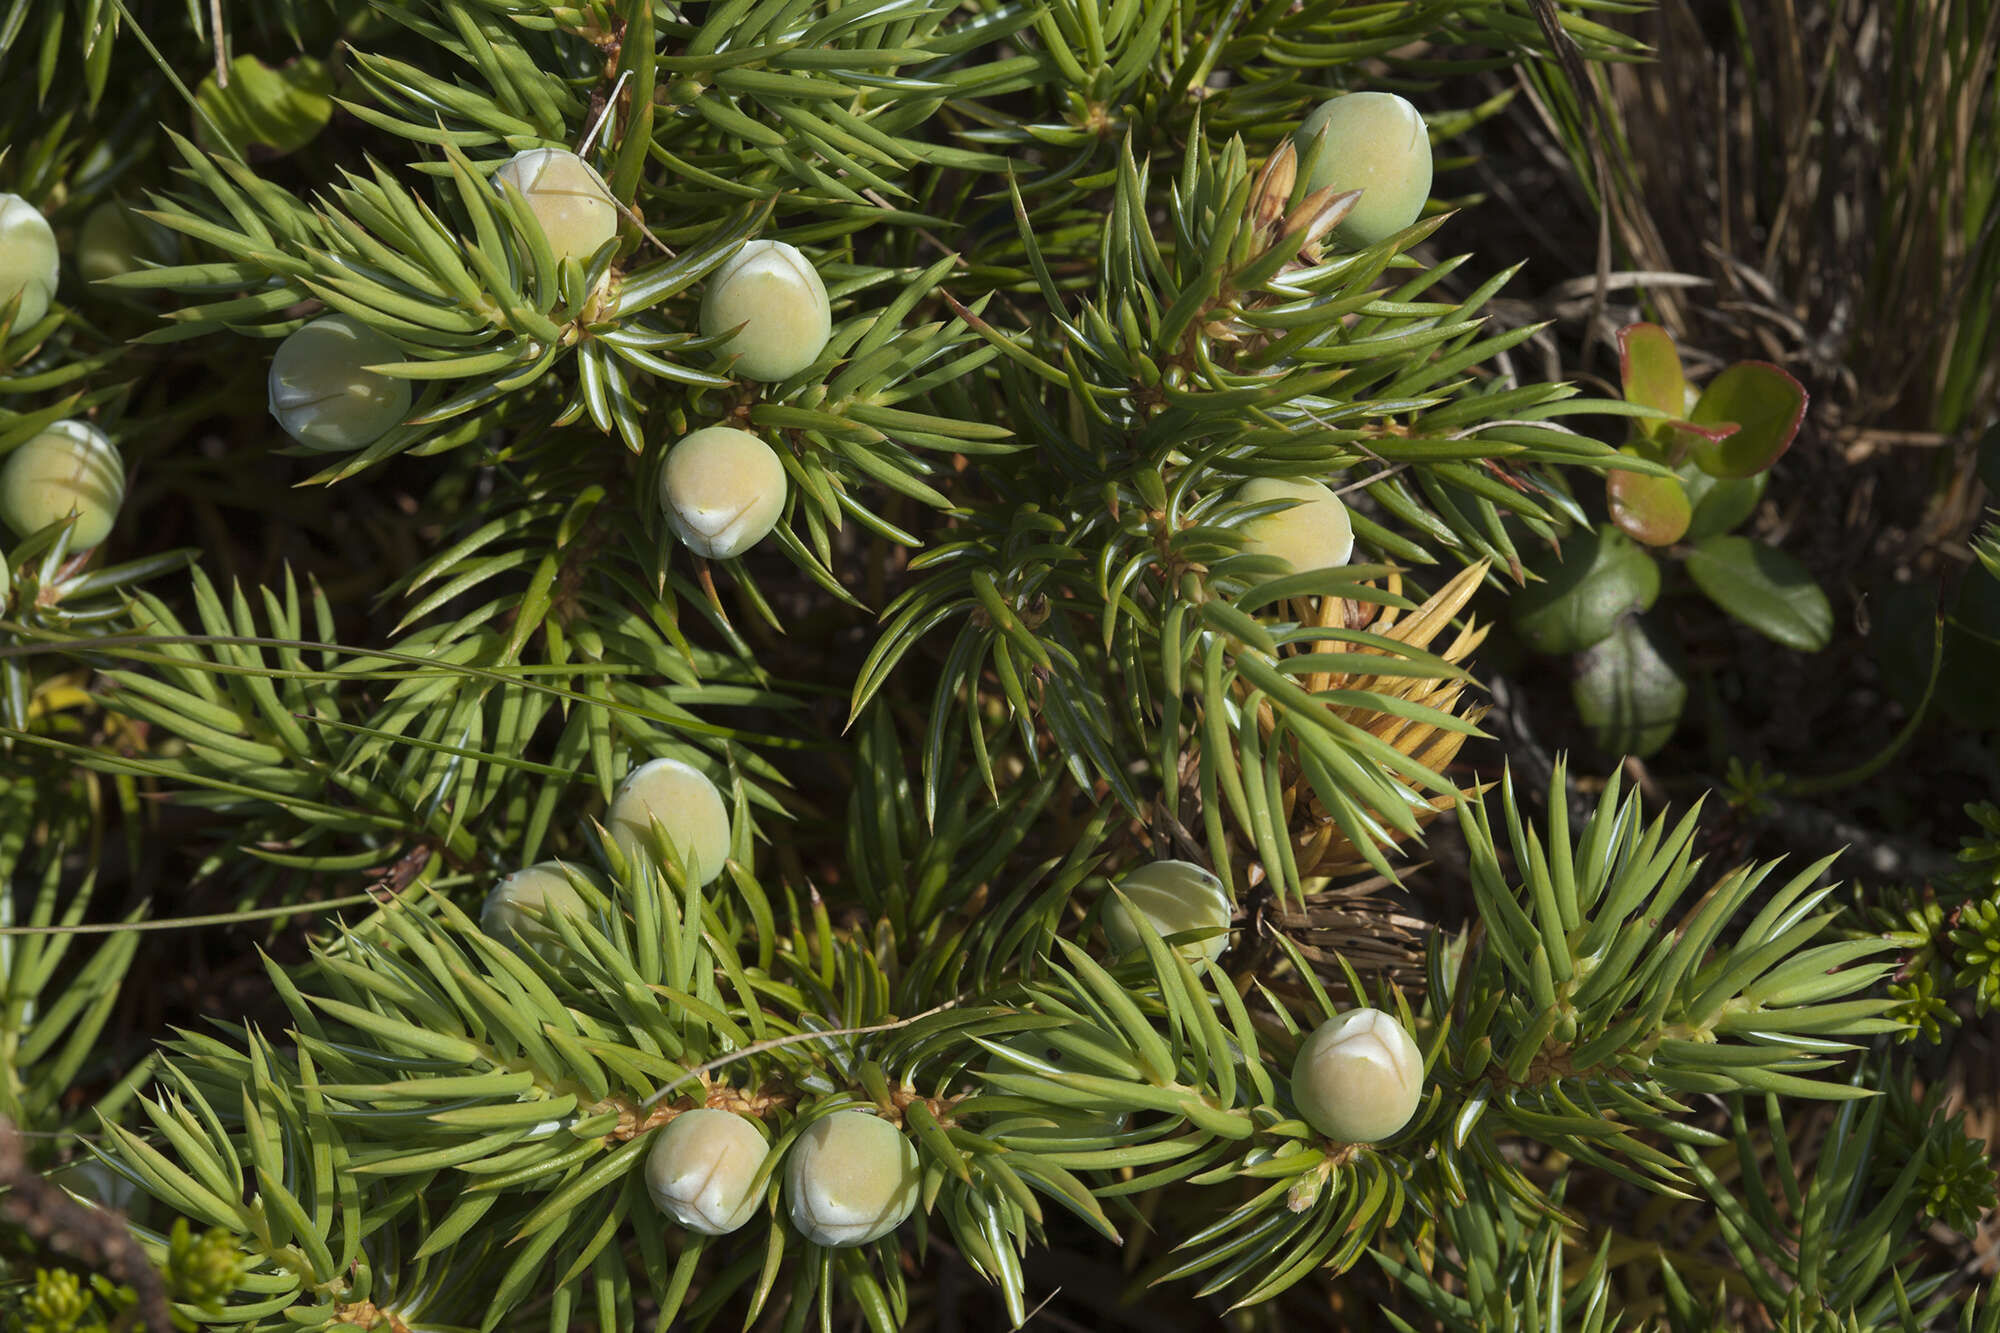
1683 440
1651 510
1599 576
1649 370
1630 688
280 110
1720 505
1764 403
1764 588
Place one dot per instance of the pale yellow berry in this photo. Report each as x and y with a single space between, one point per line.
1375 143
1173 896
851 1178
519 907
70 468
1358 1077
701 1168
685 803
777 297
1315 533
568 198
27 259
321 392
723 490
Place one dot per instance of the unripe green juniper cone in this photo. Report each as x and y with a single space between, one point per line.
770 289
567 197
518 908
70 468
27 259
723 490
1358 1077
701 1167
1313 534
851 1178
1375 143
1174 896
688 807
322 395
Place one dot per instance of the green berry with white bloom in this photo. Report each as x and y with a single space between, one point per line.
568 198
70 468
851 1178
322 393
1375 143
687 806
27 259
770 289
723 490
1315 533
1358 1077
519 907
701 1169
1173 896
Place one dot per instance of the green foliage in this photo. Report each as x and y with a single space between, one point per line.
1765 589
1762 404
1823 1248
261 108
61 1302
1601 579
1711 451
1734 427
1954 1179
1005 642
1630 687
428 1052
59 989
1976 944
198 1271
1865 262
1949 931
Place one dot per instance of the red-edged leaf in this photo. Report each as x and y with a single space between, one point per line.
1653 510
1649 367
1766 405
1684 439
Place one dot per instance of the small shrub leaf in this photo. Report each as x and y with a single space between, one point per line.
1649 368
1766 405
1599 577
1765 589
280 110
1630 688
1651 510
